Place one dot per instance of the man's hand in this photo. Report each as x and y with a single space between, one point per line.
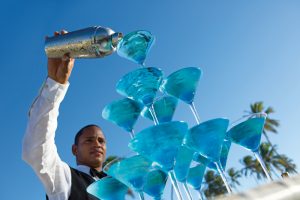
59 69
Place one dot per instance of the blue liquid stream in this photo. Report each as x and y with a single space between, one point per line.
135 46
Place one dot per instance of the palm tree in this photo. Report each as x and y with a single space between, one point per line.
274 162
214 185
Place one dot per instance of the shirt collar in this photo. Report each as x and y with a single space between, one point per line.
84 169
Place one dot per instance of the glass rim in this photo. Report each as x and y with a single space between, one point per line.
247 117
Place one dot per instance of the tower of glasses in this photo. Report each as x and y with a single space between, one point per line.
168 149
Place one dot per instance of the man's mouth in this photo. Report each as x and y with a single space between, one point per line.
97 152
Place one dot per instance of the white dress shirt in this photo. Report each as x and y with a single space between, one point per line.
39 149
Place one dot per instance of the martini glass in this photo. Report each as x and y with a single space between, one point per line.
224 154
135 46
248 135
123 113
195 177
182 84
164 108
207 139
108 188
141 85
182 165
131 171
160 144
155 184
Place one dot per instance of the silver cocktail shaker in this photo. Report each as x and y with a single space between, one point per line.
92 42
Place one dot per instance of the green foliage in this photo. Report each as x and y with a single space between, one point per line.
275 162
214 185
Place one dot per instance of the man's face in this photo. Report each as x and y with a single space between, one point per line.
91 148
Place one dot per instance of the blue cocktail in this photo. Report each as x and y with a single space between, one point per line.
182 84
182 165
123 113
141 85
108 188
195 177
207 139
160 144
155 183
164 109
248 135
131 171
224 154
135 46
183 161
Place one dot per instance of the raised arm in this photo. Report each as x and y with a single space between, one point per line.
39 149
59 69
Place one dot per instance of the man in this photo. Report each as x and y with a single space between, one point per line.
61 182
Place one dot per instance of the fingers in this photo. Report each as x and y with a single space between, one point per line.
67 64
66 58
56 33
62 32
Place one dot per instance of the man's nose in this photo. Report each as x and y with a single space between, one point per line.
98 143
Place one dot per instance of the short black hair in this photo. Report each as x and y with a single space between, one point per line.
79 133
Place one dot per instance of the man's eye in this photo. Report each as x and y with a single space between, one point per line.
101 141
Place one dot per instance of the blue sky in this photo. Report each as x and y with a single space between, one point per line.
248 51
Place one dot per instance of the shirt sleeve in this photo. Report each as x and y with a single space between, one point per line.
39 149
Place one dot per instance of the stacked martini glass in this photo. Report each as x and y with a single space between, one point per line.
168 149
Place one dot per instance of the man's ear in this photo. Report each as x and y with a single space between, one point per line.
74 149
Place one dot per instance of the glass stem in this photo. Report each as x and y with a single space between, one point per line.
200 194
175 185
187 191
141 195
222 174
152 112
260 160
195 113
131 134
172 192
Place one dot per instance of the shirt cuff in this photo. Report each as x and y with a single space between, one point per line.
54 91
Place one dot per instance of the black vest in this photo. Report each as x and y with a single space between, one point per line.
80 181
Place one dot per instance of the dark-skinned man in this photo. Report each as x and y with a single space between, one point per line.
61 182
